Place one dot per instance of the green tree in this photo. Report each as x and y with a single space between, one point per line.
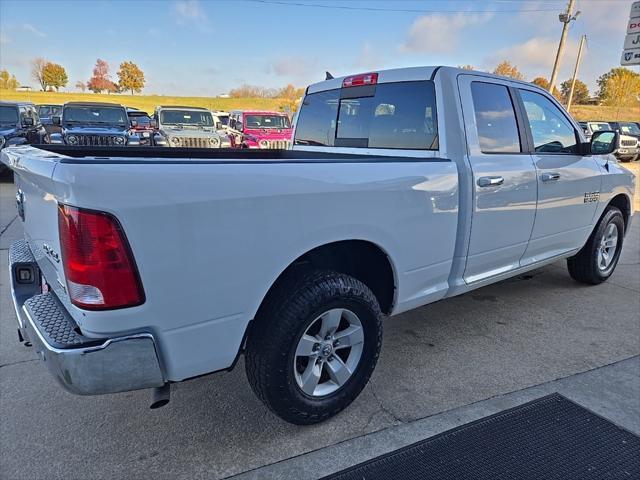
544 83
506 69
130 77
580 92
8 81
619 87
54 75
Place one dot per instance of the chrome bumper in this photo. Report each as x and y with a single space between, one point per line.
83 365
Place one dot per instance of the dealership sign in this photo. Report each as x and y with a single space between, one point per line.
631 52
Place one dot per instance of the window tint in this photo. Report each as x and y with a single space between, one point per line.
267 121
552 132
400 115
495 118
8 115
317 120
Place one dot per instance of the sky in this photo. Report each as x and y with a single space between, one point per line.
207 47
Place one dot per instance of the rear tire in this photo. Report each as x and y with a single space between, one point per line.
316 326
597 260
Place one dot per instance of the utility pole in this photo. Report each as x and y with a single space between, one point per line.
565 19
575 71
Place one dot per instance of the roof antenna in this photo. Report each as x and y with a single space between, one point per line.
328 76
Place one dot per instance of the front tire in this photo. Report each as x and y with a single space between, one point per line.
597 260
314 345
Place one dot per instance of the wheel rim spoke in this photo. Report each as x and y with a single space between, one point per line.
608 246
330 321
353 335
318 369
311 377
306 346
338 371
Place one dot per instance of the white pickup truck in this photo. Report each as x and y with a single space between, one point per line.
143 267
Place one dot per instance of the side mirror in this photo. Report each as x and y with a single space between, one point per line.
153 123
218 125
134 123
28 122
604 142
56 120
239 126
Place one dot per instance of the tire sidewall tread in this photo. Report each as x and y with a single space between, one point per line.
299 299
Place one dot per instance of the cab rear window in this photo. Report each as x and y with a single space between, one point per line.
398 115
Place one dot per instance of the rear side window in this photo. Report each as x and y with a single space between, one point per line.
393 115
495 118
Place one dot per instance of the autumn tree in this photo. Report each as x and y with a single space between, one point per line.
619 87
80 85
506 69
544 83
37 71
54 75
290 96
8 81
101 80
130 77
580 92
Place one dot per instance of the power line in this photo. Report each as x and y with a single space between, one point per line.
394 10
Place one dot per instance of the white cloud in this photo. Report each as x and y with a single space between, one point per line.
191 12
290 66
438 33
31 29
369 58
535 56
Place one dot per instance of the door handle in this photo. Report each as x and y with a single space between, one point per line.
550 177
490 181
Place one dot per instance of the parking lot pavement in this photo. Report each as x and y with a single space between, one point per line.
503 338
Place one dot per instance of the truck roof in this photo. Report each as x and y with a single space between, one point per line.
14 103
259 112
92 104
180 107
407 74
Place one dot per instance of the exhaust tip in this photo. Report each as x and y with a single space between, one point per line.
160 396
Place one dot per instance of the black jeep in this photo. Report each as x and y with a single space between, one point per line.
94 124
20 125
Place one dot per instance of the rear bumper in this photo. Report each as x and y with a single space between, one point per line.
83 365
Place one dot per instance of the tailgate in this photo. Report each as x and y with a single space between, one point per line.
38 208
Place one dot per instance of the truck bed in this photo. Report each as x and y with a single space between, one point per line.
215 155
211 230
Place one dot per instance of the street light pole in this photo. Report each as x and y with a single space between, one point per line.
575 72
566 19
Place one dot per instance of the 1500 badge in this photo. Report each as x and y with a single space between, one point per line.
591 197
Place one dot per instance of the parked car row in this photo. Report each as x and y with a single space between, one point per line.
98 124
629 147
110 124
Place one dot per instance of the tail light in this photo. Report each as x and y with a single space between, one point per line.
360 80
98 263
